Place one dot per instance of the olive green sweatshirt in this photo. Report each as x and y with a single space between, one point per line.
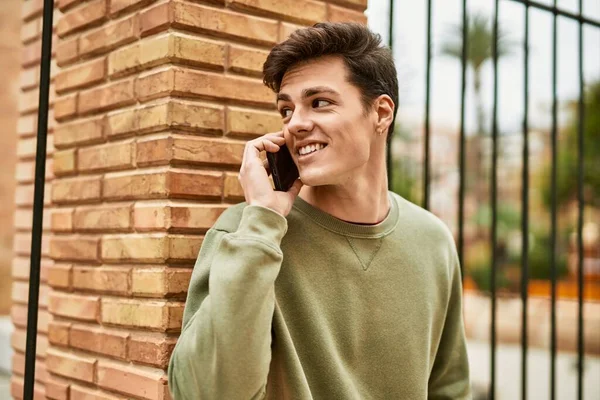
311 307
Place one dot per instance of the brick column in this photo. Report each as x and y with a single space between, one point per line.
154 101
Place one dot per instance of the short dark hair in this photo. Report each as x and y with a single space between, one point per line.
370 64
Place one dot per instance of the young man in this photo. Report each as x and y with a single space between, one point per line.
337 289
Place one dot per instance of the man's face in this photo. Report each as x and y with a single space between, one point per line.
325 125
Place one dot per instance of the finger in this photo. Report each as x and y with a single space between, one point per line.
263 144
295 189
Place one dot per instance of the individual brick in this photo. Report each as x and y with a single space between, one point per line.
147 248
301 11
21 265
93 12
57 389
69 190
29 78
71 366
58 333
286 29
151 350
343 14
81 75
65 107
85 308
150 248
31 53
24 195
179 217
17 384
20 293
119 6
104 341
18 342
31 9
18 314
173 47
153 315
179 81
82 393
27 125
22 243
31 30
67 51
25 171
109 36
64 5
107 157
244 122
135 185
74 248
79 133
107 217
109 280
224 23
106 97
59 276
65 162
132 381
232 189
18 368
360 5
176 149
26 148
160 282
247 60
61 220
24 217
194 184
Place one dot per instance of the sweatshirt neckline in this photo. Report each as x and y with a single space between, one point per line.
341 227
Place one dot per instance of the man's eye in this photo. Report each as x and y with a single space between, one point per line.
320 103
286 112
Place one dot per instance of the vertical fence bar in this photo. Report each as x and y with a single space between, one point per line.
388 149
580 199
38 201
427 110
461 156
553 210
525 210
494 205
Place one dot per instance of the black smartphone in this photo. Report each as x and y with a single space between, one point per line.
283 169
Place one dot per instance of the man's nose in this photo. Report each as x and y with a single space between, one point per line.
299 122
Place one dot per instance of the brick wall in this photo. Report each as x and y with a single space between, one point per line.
152 103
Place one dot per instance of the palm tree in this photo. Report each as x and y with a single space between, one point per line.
480 36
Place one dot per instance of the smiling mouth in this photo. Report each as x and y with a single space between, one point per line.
310 149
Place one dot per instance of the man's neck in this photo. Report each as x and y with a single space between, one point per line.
365 202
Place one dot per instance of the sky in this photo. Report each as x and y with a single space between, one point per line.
410 40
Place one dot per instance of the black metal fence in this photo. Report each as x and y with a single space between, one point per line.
557 12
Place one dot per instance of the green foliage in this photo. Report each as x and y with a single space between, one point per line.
567 162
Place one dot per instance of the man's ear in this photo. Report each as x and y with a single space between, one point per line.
384 107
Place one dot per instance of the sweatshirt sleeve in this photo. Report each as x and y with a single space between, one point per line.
224 349
449 378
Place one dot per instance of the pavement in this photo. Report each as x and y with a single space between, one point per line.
4 386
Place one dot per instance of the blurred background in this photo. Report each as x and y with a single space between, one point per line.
410 46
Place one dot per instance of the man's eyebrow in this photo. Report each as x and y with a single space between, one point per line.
308 93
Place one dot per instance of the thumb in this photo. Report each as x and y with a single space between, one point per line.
295 189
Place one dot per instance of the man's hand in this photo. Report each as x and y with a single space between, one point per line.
254 176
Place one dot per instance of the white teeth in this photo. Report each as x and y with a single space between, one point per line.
310 148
